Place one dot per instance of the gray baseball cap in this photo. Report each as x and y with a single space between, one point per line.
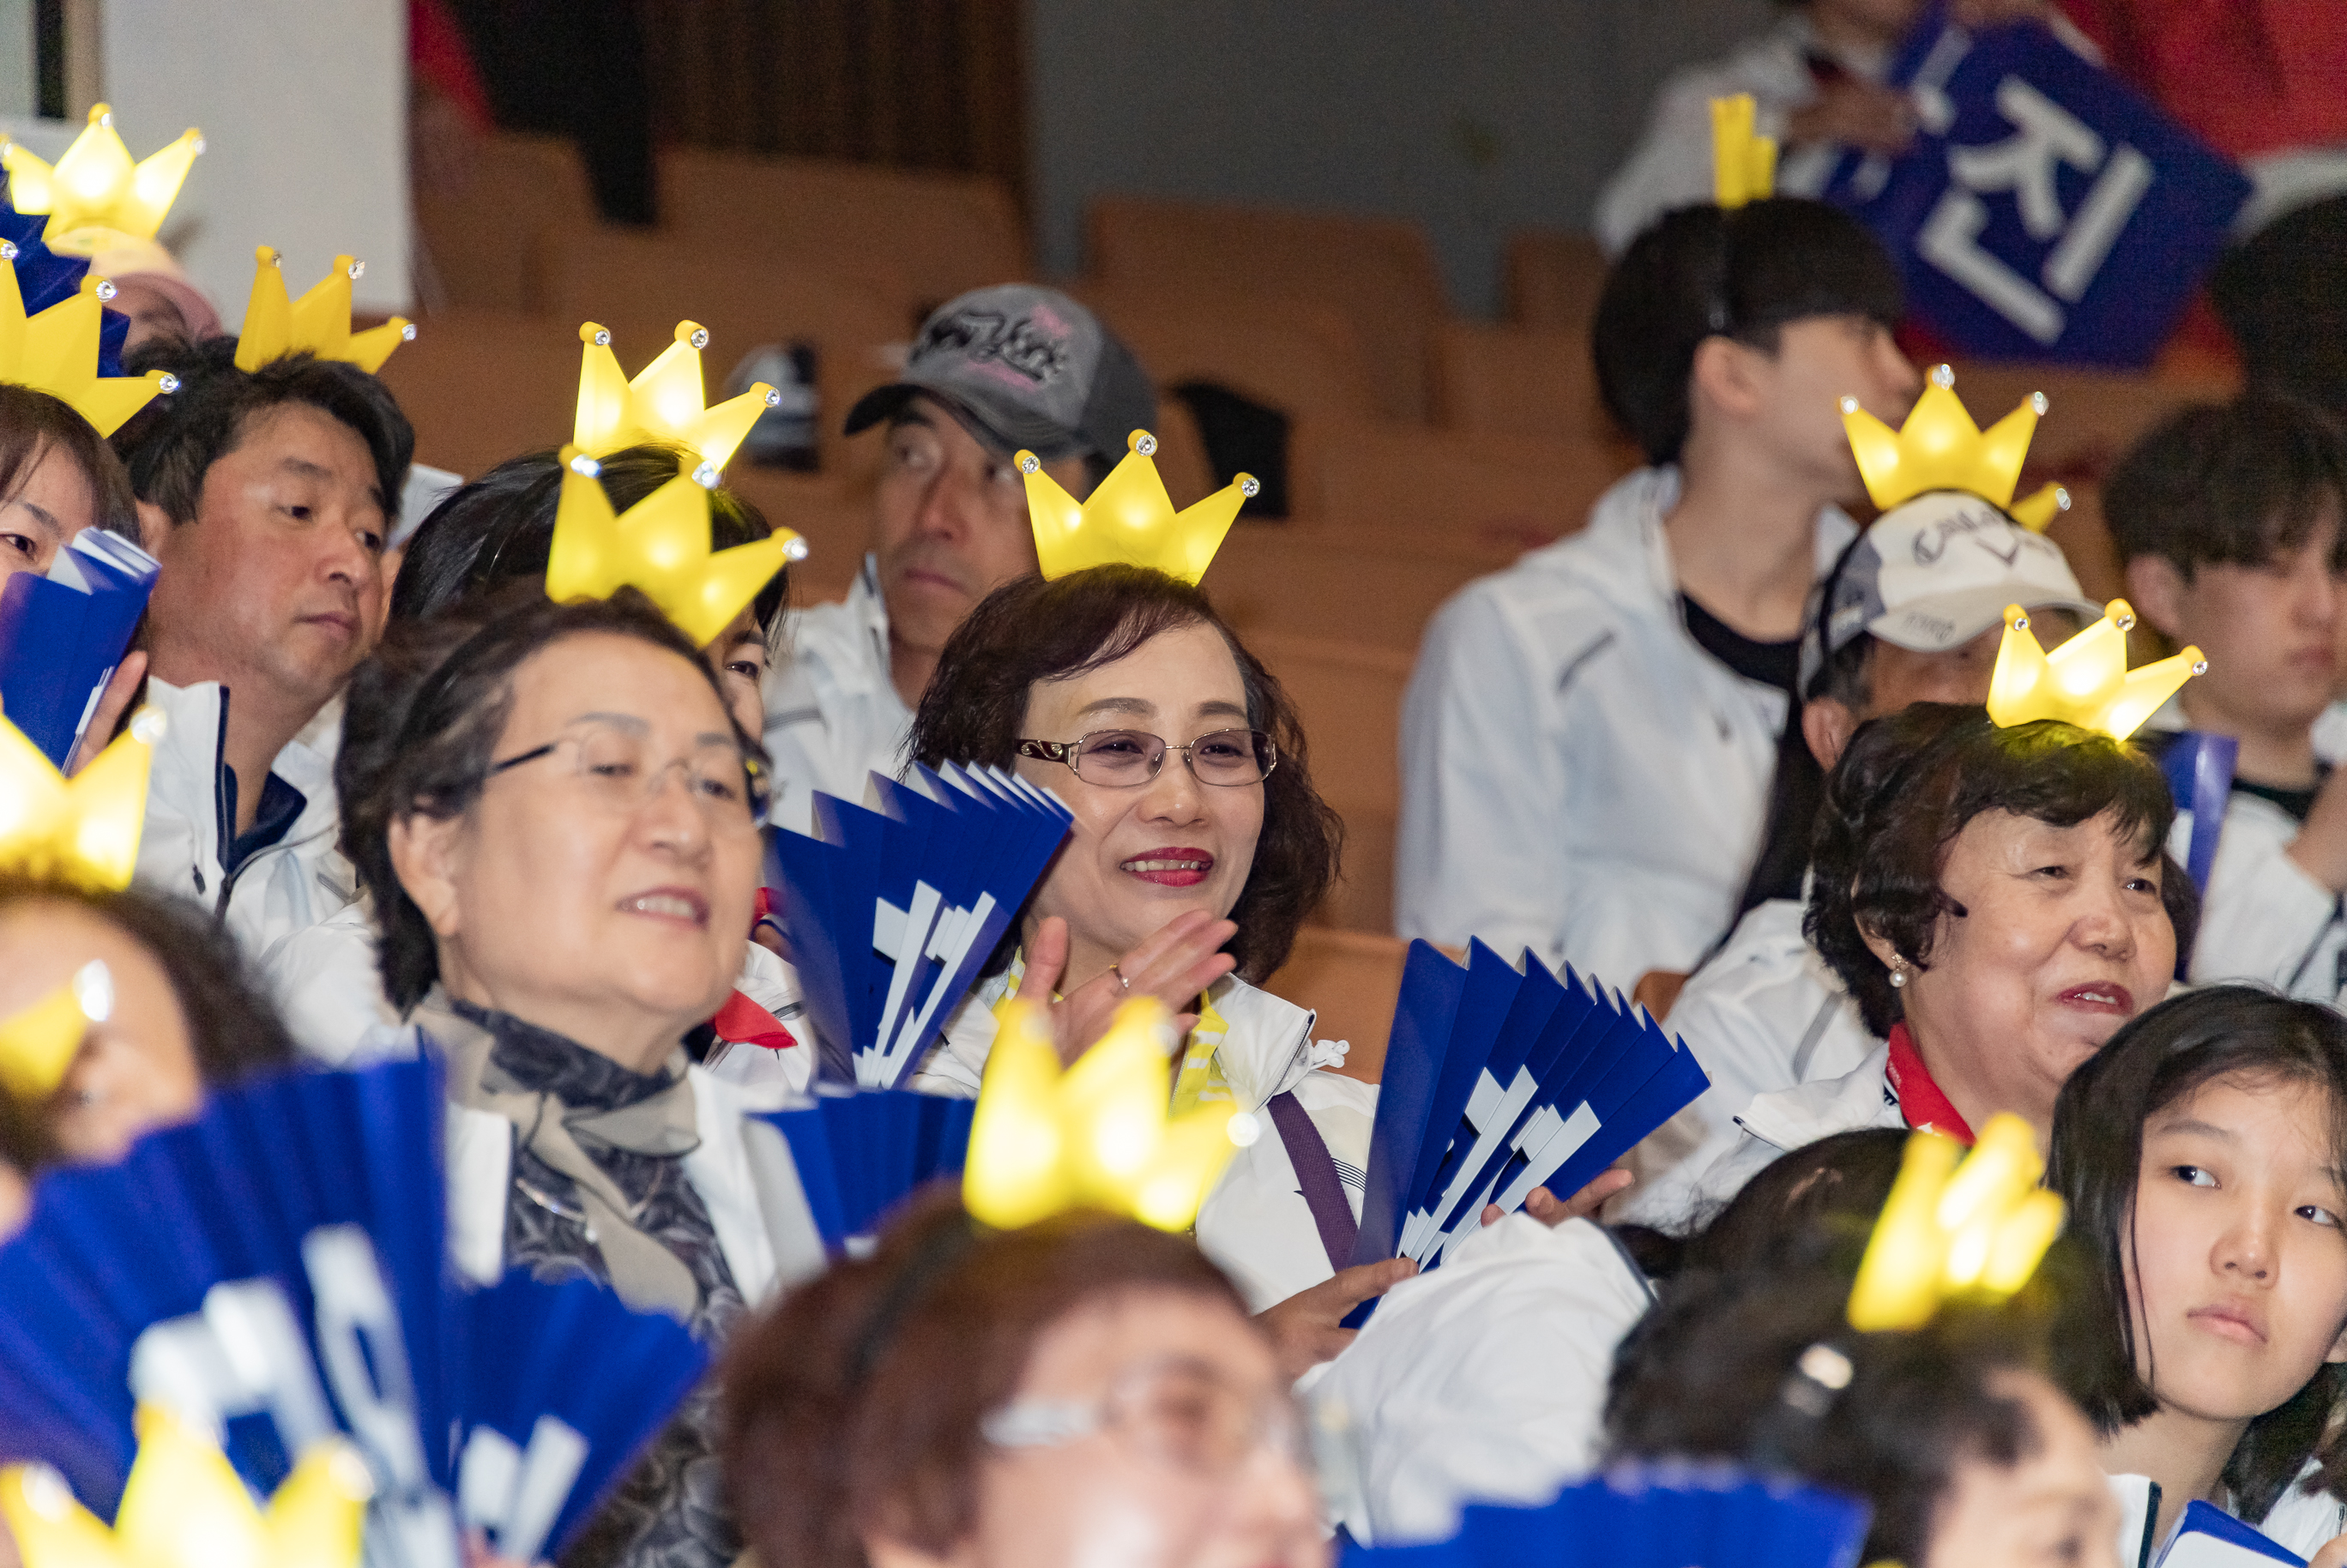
1937 572
1023 367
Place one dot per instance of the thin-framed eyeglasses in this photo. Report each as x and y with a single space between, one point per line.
1124 759
611 761
1176 1410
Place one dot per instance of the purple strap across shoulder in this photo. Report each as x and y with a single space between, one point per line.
1316 1178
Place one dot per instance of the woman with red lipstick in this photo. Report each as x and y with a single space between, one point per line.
1998 902
557 819
2203 1155
1199 846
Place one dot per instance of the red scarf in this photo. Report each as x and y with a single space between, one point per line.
1921 1102
744 1023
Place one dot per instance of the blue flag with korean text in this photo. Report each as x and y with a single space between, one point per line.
2046 211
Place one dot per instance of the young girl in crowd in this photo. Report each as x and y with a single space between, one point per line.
2201 1155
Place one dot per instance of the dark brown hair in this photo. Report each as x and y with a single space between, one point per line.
1905 788
1031 630
853 1406
2230 484
423 716
32 422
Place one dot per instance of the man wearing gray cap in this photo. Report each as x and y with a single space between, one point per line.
992 372
1913 612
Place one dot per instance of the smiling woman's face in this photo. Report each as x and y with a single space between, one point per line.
1141 856
52 501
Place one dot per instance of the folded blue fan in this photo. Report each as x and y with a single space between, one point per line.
46 278
276 1270
1663 1516
890 914
1500 1080
62 634
858 1154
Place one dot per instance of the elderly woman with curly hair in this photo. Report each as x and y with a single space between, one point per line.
1998 902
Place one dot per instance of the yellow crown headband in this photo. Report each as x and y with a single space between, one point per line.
319 322
1096 1135
184 1504
95 192
1975 1230
660 545
2086 681
1743 165
55 352
83 830
40 1043
1940 449
1129 520
663 403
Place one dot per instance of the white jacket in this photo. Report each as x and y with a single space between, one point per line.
1790 1119
1764 1013
832 714
1256 1225
1484 1380
1579 777
294 883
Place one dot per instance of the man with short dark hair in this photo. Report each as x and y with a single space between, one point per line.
2231 521
993 371
268 497
1592 738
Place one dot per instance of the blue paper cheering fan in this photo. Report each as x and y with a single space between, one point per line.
276 1270
44 278
858 1154
1500 1080
1659 1517
890 914
62 634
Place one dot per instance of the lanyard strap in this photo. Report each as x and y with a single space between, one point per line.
1316 1178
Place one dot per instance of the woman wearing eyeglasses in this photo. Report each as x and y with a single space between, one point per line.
557 820
1085 1390
1199 846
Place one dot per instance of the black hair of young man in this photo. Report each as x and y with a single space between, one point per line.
2230 484
1701 273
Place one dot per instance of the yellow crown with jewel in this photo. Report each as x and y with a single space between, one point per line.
319 322
184 1506
82 830
2086 681
1743 165
40 1043
1094 1135
664 403
95 192
1129 519
1975 1230
660 545
1940 449
55 352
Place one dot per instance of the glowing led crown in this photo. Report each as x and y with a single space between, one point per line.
1096 1135
1975 1230
96 192
82 830
663 403
184 1505
319 322
1743 165
55 352
2086 681
39 1044
1129 520
660 545
1940 449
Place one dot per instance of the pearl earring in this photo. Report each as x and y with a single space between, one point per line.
1898 973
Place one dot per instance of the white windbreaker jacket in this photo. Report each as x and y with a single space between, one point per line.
832 714
1790 1119
294 883
1579 777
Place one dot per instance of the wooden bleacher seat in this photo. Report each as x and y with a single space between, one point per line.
478 246
1352 979
1279 578
1520 381
1379 270
936 235
1348 696
1553 280
1496 492
1301 357
481 386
